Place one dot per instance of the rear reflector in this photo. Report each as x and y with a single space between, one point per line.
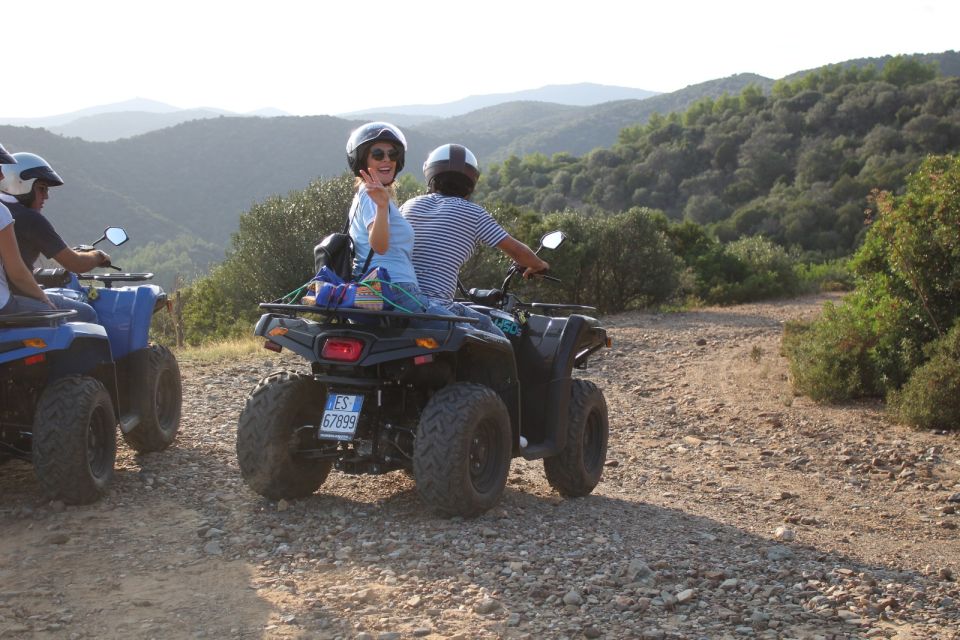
37 359
342 349
272 346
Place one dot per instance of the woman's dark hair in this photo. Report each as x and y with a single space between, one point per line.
451 183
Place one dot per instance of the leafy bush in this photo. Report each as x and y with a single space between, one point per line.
745 270
908 291
833 275
612 262
829 359
930 400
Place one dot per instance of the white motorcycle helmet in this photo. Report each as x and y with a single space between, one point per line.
452 157
363 137
18 179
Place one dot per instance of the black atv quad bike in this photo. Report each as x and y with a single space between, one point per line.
452 405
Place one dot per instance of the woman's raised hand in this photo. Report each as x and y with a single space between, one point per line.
375 189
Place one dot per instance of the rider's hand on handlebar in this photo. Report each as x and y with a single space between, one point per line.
538 270
104 258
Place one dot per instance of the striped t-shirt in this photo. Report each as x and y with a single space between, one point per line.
447 232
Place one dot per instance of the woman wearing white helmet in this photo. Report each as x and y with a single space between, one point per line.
381 235
29 182
12 266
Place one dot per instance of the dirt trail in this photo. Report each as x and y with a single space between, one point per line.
728 509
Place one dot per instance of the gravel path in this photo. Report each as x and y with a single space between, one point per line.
728 509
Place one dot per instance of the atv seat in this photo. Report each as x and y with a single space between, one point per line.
35 318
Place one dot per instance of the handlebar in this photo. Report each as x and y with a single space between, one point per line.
109 278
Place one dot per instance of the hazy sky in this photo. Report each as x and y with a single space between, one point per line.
315 57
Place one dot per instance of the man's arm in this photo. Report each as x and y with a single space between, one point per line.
81 261
523 255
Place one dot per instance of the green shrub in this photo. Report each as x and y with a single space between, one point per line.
865 346
829 359
745 270
931 398
908 291
833 275
614 262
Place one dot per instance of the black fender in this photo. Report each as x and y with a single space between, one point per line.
488 359
90 356
546 405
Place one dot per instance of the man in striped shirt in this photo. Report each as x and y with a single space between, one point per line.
448 228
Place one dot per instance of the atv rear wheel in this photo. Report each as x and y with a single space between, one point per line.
576 470
268 437
161 404
74 440
462 450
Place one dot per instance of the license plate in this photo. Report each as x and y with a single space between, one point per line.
340 416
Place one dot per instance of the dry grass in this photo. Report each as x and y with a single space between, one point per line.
222 350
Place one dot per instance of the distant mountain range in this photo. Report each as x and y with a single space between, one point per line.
583 94
109 122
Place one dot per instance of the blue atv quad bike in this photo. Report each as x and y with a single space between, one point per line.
449 406
66 386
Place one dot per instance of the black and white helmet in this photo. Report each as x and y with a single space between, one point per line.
28 168
452 157
363 137
5 158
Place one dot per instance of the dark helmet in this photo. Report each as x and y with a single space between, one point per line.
5 158
363 137
18 179
452 157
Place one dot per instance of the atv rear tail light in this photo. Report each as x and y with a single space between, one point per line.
342 349
36 343
37 359
423 359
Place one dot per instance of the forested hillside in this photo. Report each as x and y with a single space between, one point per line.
520 128
795 166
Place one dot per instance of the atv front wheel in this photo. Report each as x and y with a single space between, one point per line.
268 436
74 440
462 450
576 470
161 404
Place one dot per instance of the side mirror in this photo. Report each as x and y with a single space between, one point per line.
116 235
553 239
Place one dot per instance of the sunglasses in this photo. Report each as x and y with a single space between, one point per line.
378 154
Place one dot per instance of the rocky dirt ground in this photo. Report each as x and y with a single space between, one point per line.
728 509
